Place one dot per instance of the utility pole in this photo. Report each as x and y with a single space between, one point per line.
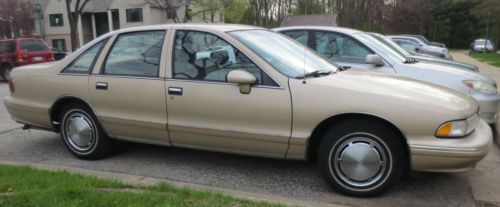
487 29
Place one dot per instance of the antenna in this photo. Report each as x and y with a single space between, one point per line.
307 41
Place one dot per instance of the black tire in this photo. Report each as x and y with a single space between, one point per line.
359 144
5 72
76 115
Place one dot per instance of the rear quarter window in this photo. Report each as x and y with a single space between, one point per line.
11 47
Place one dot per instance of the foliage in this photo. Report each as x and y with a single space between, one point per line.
24 186
490 58
16 18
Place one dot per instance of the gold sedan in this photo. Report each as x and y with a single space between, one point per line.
248 90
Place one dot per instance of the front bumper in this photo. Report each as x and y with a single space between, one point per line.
429 153
488 106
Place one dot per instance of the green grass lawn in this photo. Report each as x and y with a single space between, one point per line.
490 58
25 186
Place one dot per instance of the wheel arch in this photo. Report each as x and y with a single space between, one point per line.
319 131
58 105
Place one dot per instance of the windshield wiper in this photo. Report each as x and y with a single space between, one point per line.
317 73
343 68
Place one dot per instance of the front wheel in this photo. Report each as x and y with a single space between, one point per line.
361 158
82 134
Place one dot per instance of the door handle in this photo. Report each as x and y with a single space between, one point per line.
175 91
101 86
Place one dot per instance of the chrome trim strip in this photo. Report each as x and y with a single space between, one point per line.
126 76
223 83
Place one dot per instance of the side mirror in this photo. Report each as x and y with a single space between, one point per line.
417 50
374 60
243 78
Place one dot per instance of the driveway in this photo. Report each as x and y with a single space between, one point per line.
290 179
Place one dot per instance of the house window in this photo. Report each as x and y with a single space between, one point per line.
59 44
134 15
56 20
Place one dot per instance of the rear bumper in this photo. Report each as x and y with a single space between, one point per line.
488 106
451 155
24 113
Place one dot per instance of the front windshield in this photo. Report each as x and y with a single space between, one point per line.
389 43
287 56
425 40
482 42
387 51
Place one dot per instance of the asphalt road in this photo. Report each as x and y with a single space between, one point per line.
292 179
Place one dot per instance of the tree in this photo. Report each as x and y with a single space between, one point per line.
16 18
208 6
171 7
74 17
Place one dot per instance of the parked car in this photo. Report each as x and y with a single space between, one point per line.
364 129
426 41
22 51
58 54
442 51
422 57
482 45
359 50
416 49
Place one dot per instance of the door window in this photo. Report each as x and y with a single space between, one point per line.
204 56
135 54
338 47
83 63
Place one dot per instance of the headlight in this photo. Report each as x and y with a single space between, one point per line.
458 128
481 86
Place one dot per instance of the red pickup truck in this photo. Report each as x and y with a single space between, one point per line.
22 51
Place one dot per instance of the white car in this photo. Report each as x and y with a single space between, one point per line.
482 45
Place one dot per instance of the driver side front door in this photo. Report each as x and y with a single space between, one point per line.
206 112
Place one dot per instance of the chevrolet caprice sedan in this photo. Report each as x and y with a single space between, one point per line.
251 91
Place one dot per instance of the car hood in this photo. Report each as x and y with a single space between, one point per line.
446 62
403 90
445 72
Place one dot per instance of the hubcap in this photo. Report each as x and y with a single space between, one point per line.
79 132
360 161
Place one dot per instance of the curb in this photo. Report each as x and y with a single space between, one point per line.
145 180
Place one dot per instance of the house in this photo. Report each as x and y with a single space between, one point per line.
100 17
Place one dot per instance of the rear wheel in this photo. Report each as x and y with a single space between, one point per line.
361 158
82 134
5 73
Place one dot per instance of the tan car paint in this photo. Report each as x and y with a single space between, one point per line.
216 116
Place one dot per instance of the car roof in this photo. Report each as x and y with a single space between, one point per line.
21 38
215 27
325 28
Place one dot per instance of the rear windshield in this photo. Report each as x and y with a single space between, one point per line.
33 46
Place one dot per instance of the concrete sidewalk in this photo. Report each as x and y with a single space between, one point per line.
485 179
